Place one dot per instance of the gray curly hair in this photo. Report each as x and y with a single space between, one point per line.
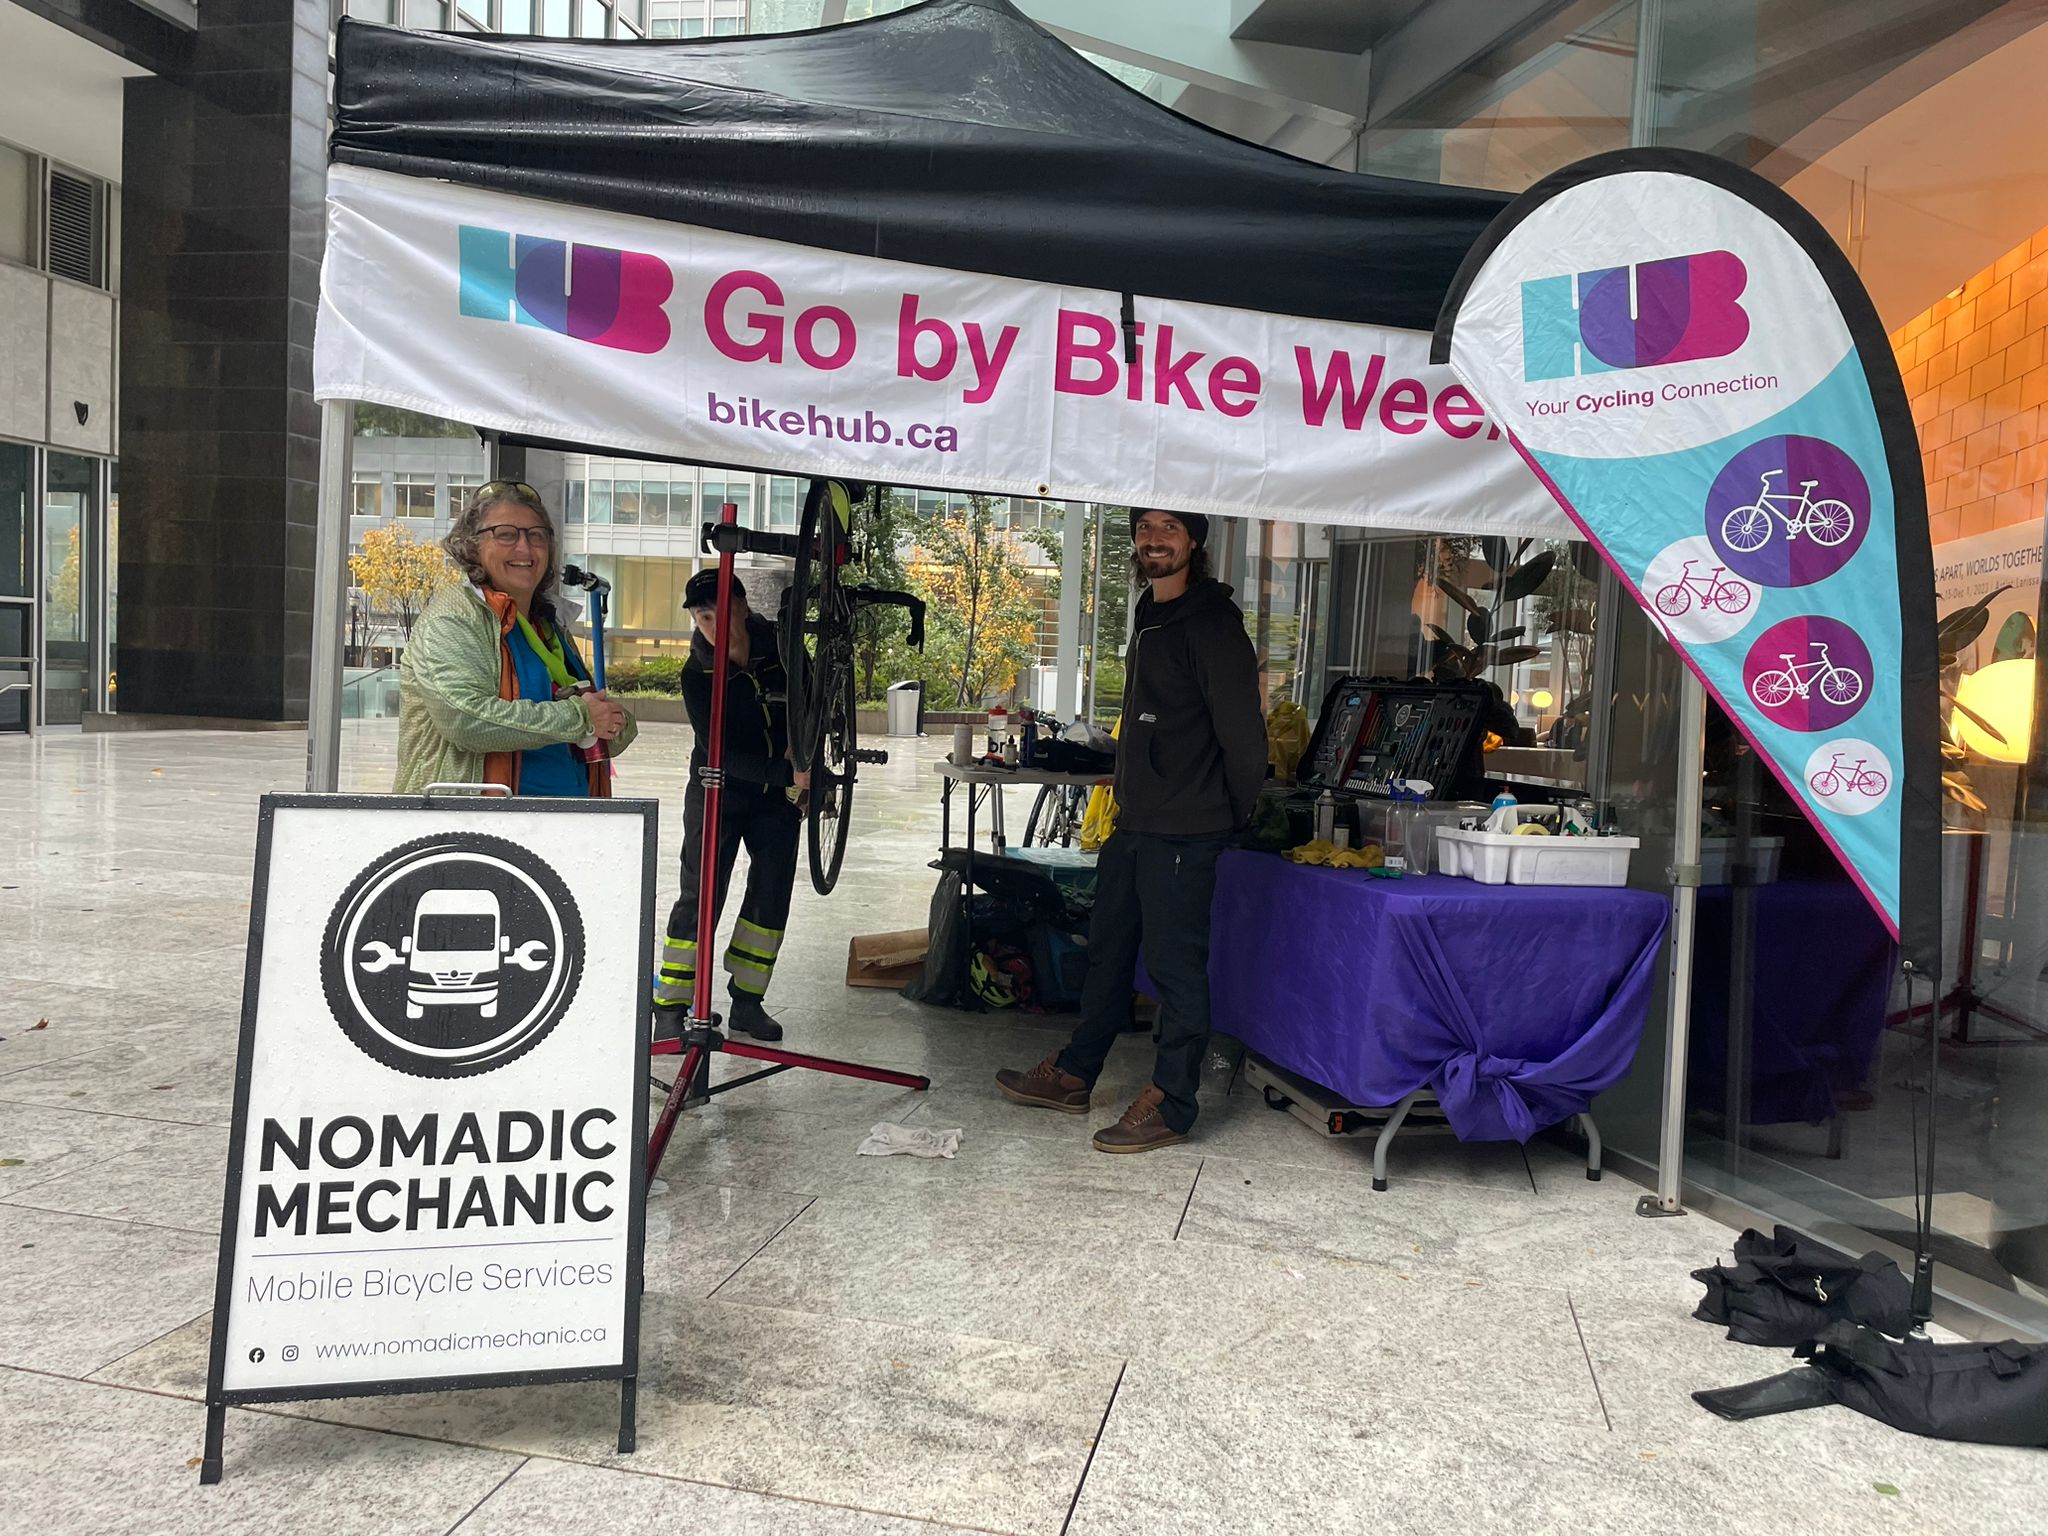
466 534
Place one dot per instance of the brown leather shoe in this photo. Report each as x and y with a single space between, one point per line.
1046 1086
1142 1128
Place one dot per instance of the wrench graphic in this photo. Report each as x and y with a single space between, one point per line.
382 956
525 957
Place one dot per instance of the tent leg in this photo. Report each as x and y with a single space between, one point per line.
330 596
1685 880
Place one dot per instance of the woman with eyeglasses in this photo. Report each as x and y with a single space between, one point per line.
491 689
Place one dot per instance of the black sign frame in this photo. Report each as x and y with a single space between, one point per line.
626 1373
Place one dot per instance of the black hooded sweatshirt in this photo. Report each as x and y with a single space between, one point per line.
1191 753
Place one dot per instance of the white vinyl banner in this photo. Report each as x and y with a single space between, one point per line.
650 337
433 1173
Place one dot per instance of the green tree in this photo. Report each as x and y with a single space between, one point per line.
390 421
983 618
881 649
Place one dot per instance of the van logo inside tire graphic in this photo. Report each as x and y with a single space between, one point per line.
450 956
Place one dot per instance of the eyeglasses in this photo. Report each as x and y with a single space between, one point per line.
509 534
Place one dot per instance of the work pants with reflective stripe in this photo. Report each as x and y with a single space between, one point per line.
767 825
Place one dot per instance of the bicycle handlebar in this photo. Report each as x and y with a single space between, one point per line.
882 597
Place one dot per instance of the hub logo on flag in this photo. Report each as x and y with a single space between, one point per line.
591 292
1674 310
451 956
1760 494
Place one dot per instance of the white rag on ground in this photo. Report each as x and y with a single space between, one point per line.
888 1139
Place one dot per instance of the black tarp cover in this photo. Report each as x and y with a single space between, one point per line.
956 133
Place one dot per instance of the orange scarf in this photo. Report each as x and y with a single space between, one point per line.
503 767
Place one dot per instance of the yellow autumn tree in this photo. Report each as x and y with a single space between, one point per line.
398 572
983 621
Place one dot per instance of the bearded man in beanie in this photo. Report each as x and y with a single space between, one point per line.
1191 755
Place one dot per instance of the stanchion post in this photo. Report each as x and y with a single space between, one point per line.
1685 887
330 588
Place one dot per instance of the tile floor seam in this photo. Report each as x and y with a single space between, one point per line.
93 1375
114 1221
712 1294
1591 1370
754 1493
524 1462
1188 1204
111 1114
1101 1429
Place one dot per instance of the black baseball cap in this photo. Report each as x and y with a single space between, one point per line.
1196 524
702 591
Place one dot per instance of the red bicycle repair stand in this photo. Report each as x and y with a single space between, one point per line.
701 1038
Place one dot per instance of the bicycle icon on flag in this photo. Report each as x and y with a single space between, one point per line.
1717 589
1836 780
1840 686
1749 528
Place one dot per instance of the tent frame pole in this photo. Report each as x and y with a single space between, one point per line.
330 597
1685 883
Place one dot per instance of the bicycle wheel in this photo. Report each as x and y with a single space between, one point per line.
811 608
1841 686
1674 599
1873 784
1045 812
831 809
1825 783
1830 522
1746 529
1772 689
1731 596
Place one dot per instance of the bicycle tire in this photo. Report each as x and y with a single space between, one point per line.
1747 529
1841 523
812 612
1044 809
1777 684
1826 783
1673 601
1874 784
790 627
1842 698
1732 597
832 783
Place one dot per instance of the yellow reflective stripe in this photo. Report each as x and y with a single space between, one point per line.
737 948
742 984
674 943
772 935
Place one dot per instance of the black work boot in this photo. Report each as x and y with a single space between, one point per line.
748 1017
670 1020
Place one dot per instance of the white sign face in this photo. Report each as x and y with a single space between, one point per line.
578 325
436 1149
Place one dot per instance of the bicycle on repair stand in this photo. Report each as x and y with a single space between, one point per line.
815 636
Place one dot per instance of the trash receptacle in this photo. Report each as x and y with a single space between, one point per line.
906 709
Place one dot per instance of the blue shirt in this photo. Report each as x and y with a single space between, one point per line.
551 770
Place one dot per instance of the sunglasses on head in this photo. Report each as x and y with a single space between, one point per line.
499 488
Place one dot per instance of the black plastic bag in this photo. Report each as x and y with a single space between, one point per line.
1987 1394
1784 1289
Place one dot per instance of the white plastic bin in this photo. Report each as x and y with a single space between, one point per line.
1503 858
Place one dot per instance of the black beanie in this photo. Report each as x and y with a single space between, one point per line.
1196 524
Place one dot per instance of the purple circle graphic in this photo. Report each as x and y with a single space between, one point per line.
1788 511
1808 674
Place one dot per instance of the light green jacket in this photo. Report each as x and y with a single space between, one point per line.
449 712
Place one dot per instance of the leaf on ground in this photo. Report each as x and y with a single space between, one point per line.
10 1162
40 1024
192 1461
1886 1489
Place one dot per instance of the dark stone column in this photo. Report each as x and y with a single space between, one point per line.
223 176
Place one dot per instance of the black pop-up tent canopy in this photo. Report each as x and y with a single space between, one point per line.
956 133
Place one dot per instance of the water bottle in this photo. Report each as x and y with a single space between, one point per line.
1326 817
1501 802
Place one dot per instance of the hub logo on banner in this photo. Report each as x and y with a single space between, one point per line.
1668 311
1726 424
591 292
435 1172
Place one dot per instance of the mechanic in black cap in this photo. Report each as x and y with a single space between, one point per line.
1190 759
761 809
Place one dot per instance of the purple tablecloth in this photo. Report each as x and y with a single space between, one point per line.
1514 1004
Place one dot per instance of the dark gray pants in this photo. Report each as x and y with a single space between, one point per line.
1152 892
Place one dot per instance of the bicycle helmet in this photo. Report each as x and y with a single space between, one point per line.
989 984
